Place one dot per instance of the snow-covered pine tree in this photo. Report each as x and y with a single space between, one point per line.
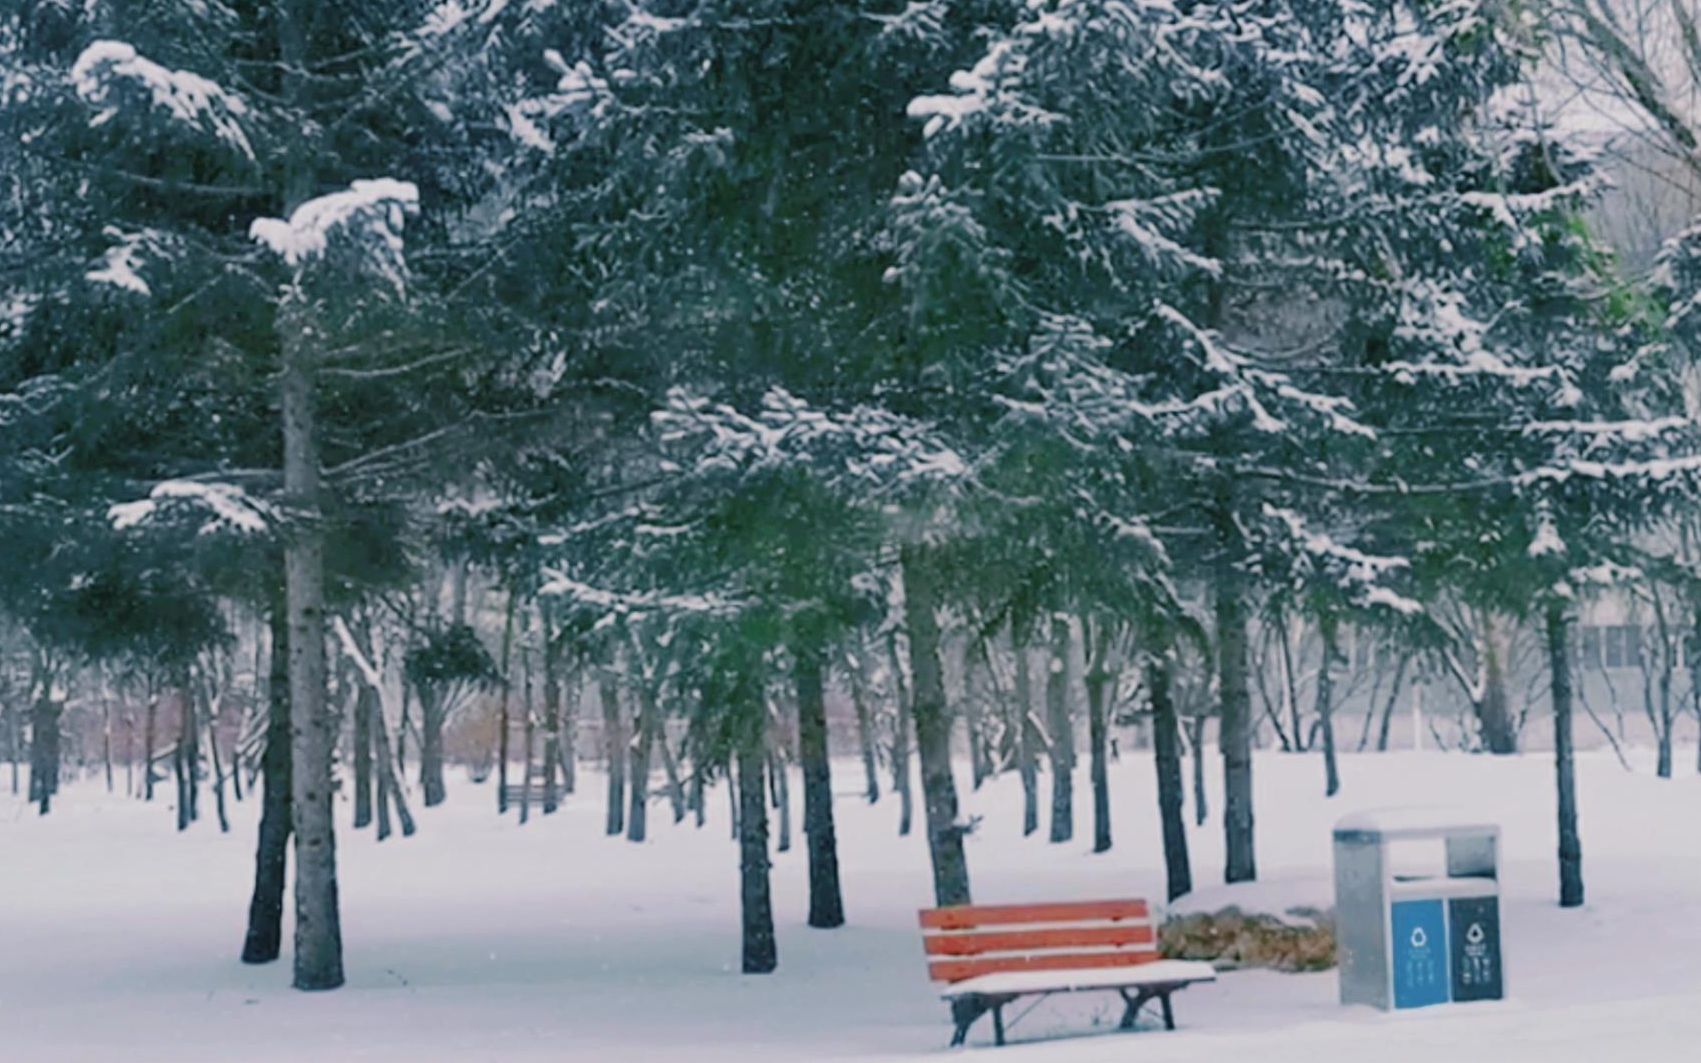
245 173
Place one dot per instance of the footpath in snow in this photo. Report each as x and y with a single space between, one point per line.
481 940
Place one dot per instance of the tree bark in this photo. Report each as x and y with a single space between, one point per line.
1028 741
364 699
265 910
1098 731
431 746
318 931
933 731
614 748
864 732
1062 733
973 697
649 718
389 781
1166 746
1565 770
1234 729
1494 711
760 954
780 789
218 767
150 719
902 711
551 712
826 900
1326 708
44 751
1388 706
1200 808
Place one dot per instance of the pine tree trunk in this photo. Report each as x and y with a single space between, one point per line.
551 713
933 731
569 734
1062 733
1326 709
864 732
364 699
431 746
826 901
106 740
649 719
973 696
1098 732
218 769
15 740
760 954
318 932
179 762
150 721
1200 808
780 773
1166 745
1494 712
1234 729
264 940
1565 769
44 752
901 713
1028 742
614 749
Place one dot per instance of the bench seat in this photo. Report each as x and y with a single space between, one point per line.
1022 983
987 956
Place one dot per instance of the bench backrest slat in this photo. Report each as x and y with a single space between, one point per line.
968 940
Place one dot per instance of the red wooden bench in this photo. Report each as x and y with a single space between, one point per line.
990 955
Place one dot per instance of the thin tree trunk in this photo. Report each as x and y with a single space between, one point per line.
614 748
1028 742
864 731
780 773
826 900
389 782
760 954
933 731
218 767
364 699
264 940
44 750
1326 708
649 717
502 721
106 739
1388 706
973 696
570 734
179 756
901 713
551 712
1062 730
1234 730
431 784
1200 809
150 720
1166 746
670 772
318 930
1098 677
1565 770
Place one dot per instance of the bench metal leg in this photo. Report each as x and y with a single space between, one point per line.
964 1012
1169 1013
998 1024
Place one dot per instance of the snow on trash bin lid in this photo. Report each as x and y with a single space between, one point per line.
1414 821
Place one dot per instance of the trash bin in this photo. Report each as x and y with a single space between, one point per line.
1410 937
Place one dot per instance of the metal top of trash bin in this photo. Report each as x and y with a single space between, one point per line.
1420 822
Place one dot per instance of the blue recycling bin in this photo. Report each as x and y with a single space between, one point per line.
1408 939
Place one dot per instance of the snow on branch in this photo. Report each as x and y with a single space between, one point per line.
367 217
106 69
864 444
121 265
1354 573
225 507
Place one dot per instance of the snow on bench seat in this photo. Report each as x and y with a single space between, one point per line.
1023 983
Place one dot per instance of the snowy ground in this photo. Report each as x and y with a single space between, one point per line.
481 940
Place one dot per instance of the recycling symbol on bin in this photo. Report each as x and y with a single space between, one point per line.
1419 938
1474 935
